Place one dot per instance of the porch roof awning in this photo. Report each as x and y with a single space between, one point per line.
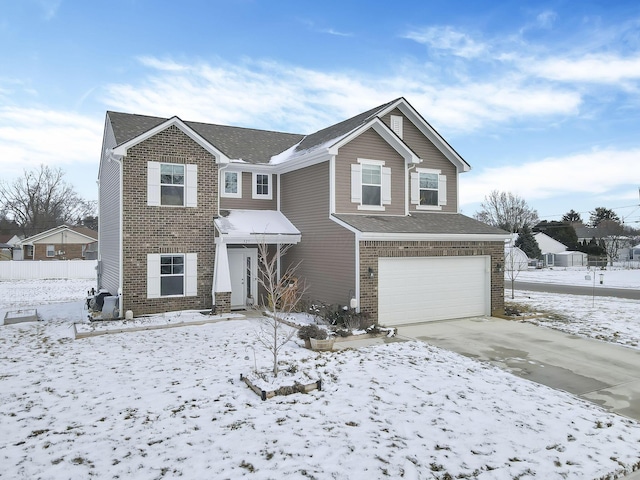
256 226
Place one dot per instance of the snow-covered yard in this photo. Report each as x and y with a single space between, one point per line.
610 319
169 403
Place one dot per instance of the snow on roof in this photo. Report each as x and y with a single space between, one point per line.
249 224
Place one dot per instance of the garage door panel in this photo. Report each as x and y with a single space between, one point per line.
419 289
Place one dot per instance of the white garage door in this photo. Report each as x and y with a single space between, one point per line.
421 289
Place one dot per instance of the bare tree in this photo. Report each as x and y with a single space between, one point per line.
515 261
283 292
41 199
507 211
611 235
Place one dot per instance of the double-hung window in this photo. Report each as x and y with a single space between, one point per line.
171 275
51 250
171 184
428 189
370 184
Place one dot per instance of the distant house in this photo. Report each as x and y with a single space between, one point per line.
549 248
10 247
59 243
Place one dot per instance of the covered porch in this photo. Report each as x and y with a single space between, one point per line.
235 271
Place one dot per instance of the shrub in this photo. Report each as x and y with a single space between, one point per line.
312 331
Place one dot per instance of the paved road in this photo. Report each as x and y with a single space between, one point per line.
599 290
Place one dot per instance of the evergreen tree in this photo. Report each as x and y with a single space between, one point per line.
572 217
527 243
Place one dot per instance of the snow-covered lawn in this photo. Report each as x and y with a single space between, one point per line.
169 403
615 320
615 276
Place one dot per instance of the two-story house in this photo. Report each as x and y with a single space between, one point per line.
369 205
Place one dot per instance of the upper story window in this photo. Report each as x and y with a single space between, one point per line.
428 189
262 187
370 184
232 184
172 184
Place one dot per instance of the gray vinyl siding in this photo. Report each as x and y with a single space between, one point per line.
371 146
248 203
327 250
109 218
431 158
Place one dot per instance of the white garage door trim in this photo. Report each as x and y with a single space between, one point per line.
422 289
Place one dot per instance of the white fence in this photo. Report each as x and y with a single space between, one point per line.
40 269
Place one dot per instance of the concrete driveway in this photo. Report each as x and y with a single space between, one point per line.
600 372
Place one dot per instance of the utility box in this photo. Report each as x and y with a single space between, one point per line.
110 308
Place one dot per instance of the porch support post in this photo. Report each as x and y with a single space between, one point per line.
221 274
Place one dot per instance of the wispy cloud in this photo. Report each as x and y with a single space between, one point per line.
49 8
609 68
273 95
448 40
580 173
31 136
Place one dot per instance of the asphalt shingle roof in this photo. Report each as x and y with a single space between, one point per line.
250 145
237 143
427 222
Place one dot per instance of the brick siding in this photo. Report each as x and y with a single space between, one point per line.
72 251
223 303
370 251
153 229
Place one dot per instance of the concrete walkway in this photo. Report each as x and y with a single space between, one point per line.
600 372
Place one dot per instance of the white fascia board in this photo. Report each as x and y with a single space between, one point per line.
45 234
428 132
433 237
187 130
386 134
306 160
254 239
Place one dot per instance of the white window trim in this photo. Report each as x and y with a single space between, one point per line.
190 275
415 190
154 187
254 186
223 183
385 184
53 251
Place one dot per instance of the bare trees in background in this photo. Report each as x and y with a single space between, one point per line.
507 211
41 199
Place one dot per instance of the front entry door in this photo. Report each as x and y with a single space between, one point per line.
243 271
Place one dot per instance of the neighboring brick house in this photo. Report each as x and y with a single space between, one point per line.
59 243
369 206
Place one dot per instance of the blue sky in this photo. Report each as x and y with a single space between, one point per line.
541 98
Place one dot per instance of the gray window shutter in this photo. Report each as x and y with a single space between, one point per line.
153 275
415 188
153 184
356 183
191 275
442 190
386 185
191 185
